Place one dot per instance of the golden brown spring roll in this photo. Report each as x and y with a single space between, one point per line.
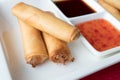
114 3
58 50
46 22
115 12
35 51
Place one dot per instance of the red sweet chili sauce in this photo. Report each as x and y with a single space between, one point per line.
100 33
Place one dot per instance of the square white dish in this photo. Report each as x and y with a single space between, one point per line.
85 63
96 7
101 15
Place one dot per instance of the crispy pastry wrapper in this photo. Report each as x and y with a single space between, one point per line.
57 49
114 3
115 12
46 22
35 51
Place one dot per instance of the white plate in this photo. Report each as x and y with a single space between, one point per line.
85 63
4 71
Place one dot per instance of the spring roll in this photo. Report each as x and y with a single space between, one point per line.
58 50
35 51
115 12
46 22
114 3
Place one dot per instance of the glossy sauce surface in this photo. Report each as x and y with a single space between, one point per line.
100 33
72 8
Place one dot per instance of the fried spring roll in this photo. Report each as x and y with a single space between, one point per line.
46 22
114 3
115 12
34 48
58 50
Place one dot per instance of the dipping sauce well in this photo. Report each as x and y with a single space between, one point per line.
100 33
72 8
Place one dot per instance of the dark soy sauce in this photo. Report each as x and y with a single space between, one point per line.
72 8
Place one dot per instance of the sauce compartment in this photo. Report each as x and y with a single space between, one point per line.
102 15
74 8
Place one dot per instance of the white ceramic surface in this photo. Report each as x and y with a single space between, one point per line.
85 63
4 71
